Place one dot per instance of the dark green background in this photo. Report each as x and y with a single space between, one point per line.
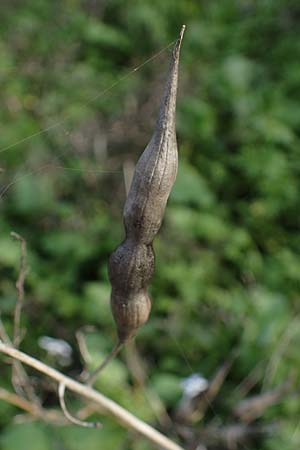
228 269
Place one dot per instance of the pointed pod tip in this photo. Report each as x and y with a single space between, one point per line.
178 42
182 31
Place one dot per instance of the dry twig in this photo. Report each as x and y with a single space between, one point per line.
50 416
251 408
20 402
93 376
233 436
123 416
20 289
80 337
69 416
21 381
138 372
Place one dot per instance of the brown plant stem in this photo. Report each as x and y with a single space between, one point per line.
20 402
123 416
20 289
92 378
69 416
36 412
20 380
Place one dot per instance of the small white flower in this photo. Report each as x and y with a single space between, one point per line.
57 348
194 385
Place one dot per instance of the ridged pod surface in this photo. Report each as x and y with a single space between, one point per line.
131 265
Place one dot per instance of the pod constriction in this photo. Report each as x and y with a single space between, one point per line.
131 265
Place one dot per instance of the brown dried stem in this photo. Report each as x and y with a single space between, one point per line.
20 402
251 408
92 378
80 337
20 289
50 416
138 372
123 416
20 381
68 415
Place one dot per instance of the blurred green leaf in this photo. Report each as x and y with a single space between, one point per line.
191 188
168 387
26 436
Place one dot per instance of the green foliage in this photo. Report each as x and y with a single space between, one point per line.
228 270
27 436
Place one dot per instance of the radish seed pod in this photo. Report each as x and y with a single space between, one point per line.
131 265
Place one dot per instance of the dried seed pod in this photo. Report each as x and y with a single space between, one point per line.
156 169
131 265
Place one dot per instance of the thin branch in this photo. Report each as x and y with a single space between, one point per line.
233 436
80 337
251 408
69 416
20 289
20 402
20 378
35 412
123 416
92 378
138 372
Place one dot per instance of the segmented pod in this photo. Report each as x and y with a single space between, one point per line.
131 265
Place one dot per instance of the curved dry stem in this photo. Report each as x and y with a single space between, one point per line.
68 415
